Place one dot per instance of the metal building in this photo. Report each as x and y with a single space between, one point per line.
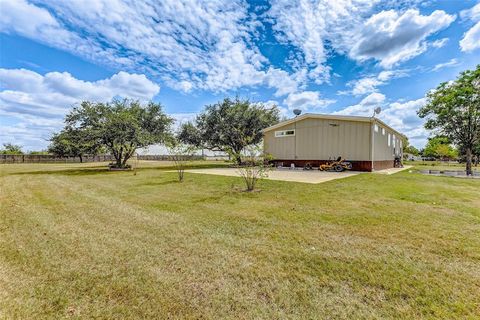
367 142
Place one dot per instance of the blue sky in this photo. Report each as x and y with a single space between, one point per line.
342 57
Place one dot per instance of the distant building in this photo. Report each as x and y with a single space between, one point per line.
367 142
159 149
412 157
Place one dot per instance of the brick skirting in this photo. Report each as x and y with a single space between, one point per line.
356 165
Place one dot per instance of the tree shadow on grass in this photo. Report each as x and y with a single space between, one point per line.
68 172
159 183
187 167
104 170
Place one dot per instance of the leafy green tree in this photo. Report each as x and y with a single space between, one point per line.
74 142
229 126
475 154
453 110
190 134
121 126
439 147
408 148
446 152
10 148
411 150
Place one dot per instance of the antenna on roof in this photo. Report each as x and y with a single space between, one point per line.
376 111
297 112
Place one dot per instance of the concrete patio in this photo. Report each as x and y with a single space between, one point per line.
297 175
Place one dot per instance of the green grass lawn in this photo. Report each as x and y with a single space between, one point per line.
439 165
77 241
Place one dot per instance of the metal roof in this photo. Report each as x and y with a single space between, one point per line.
331 117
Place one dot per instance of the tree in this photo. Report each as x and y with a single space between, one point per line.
189 134
453 110
475 154
256 166
412 150
121 126
229 126
446 152
10 148
439 147
408 148
74 142
41 152
181 154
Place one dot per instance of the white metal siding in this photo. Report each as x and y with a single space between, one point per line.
382 150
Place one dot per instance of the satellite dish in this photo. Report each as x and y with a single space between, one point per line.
377 110
297 112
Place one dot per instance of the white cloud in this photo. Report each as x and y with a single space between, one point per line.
373 99
348 26
184 85
284 112
281 80
39 102
365 107
187 44
307 25
210 45
181 118
31 21
365 85
402 116
31 135
451 63
306 100
471 39
370 83
439 43
471 14
391 37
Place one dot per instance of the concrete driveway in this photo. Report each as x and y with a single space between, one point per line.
313 176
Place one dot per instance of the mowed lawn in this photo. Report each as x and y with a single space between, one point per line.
77 241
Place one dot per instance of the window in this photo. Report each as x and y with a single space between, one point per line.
389 139
376 127
383 131
394 141
284 133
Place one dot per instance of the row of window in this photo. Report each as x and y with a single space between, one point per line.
376 129
392 139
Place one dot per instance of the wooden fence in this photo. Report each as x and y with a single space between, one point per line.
167 157
46 158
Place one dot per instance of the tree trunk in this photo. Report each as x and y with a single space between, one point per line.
125 159
238 158
118 161
81 158
469 161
